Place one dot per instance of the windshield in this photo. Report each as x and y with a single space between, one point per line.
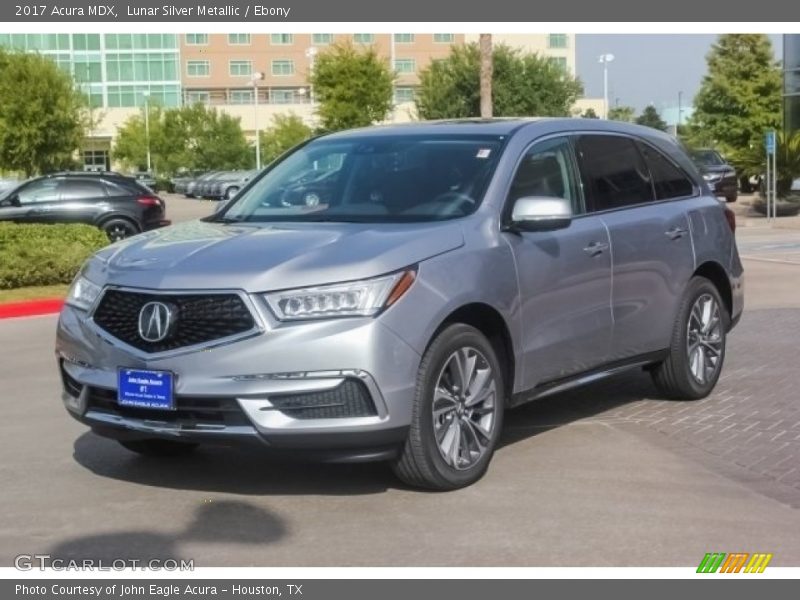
708 158
397 178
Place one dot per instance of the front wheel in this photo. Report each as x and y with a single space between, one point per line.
457 414
697 349
231 192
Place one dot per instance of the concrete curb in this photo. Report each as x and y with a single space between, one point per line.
30 308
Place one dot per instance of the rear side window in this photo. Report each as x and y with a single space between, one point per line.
669 181
74 189
614 172
116 190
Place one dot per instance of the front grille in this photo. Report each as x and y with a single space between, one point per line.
348 399
189 411
200 318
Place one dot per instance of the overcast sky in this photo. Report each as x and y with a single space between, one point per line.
647 69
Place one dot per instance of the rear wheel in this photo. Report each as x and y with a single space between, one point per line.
119 229
731 198
457 413
697 350
161 448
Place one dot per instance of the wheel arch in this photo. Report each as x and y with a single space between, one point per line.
716 274
490 323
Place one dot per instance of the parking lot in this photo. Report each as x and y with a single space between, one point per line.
606 475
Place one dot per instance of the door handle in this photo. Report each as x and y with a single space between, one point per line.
596 248
675 233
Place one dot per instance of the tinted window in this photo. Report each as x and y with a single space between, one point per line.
547 170
75 189
614 171
668 180
115 189
43 190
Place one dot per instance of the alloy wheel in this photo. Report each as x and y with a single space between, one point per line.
464 408
704 341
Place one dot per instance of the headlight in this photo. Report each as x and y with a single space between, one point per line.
83 293
352 299
712 176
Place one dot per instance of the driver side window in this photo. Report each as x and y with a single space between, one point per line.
547 170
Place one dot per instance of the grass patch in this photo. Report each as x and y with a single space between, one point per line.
34 293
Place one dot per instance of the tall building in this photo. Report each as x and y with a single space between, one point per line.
122 73
791 82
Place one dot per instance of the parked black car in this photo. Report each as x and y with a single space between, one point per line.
117 204
718 173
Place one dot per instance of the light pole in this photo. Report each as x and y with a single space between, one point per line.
604 59
254 79
311 54
680 113
146 95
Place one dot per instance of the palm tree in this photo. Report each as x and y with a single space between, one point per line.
485 42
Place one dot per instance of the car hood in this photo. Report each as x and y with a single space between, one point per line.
261 257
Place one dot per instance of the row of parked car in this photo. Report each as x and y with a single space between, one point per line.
215 185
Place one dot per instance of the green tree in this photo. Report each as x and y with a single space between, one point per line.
286 132
522 85
651 118
42 116
622 113
589 114
191 137
739 98
353 87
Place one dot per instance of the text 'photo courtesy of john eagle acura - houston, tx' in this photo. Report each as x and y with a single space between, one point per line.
387 293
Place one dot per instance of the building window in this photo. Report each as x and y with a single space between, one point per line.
241 96
363 38
405 65
282 39
239 39
143 67
240 68
196 39
559 61
281 96
444 38
283 67
403 38
134 95
322 39
403 94
86 41
198 97
557 40
198 68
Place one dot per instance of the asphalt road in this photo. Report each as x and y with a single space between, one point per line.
608 475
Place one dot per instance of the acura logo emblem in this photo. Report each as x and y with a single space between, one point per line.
155 321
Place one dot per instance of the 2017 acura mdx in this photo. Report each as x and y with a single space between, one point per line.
387 293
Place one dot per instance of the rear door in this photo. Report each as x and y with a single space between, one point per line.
564 275
642 197
82 200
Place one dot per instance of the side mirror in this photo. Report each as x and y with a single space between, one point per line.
12 200
541 213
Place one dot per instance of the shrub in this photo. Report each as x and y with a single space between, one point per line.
44 254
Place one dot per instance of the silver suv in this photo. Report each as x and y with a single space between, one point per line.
387 293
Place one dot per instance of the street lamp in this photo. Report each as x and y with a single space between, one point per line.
254 79
680 113
146 95
311 54
604 59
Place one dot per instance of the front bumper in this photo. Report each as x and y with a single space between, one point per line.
250 376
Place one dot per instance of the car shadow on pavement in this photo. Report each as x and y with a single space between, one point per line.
213 523
581 403
230 470
248 472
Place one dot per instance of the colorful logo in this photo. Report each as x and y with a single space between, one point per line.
737 562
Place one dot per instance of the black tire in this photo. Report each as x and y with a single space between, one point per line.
731 198
158 448
421 462
118 229
230 193
674 376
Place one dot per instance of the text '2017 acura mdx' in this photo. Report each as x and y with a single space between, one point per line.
386 293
